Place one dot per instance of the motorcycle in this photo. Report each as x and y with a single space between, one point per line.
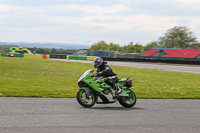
95 90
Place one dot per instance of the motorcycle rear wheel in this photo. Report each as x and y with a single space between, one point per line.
83 100
128 102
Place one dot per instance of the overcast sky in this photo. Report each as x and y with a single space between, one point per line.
90 21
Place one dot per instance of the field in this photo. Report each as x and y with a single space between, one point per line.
20 77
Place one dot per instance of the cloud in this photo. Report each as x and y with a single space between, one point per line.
118 21
188 1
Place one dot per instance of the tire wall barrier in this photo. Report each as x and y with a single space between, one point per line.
58 56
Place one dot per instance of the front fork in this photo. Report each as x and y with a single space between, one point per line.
87 91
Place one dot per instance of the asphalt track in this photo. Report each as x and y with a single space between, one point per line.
65 115
157 66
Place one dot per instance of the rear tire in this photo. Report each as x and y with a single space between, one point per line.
130 101
83 100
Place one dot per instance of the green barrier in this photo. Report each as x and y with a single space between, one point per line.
82 58
77 57
12 55
18 55
4 55
0 54
73 57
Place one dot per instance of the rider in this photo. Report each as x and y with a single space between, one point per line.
103 69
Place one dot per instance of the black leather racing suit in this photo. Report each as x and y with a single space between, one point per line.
105 71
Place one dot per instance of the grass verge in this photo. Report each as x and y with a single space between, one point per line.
20 77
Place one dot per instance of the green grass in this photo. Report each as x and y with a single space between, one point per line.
20 77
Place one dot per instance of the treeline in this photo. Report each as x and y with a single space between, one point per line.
130 48
176 37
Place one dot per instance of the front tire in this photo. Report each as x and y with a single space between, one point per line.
83 100
129 101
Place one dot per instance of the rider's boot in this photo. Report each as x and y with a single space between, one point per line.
119 90
113 93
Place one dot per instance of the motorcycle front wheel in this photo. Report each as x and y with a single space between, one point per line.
129 101
85 101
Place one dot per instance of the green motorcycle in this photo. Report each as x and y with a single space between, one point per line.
95 90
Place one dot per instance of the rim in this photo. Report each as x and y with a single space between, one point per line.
86 100
130 99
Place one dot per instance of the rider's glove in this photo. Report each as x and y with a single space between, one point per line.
94 75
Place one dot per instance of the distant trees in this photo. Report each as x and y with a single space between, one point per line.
130 48
178 37
195 45
151 45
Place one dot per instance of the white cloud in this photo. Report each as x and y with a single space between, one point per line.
188 1
72 23
188 5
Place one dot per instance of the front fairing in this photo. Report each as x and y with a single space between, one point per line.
85 74
85 80
96 85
